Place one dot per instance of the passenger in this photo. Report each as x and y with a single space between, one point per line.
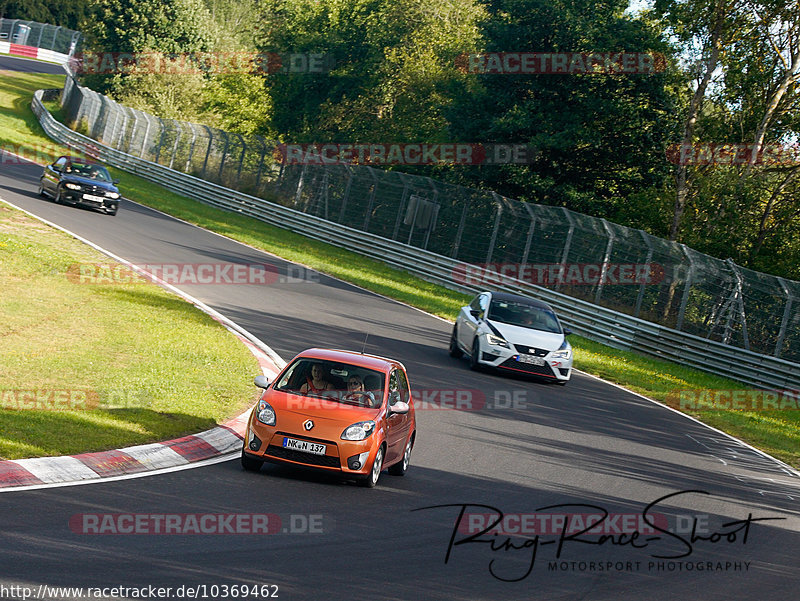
316 382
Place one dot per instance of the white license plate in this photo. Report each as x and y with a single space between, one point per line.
532 359
304 445
93 198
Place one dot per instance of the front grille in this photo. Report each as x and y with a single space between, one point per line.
301 457
540 370
531 350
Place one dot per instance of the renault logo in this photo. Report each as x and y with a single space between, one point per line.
308 424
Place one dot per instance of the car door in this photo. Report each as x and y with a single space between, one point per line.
51 175
396 424
469 325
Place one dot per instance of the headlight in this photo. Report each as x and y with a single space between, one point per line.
496 341
563 352
358 431
112 195
265 413
72 186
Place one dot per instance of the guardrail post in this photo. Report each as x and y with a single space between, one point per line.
191 148
787 311
567 244
434 219
208 151
685 298
260 160
371 199
163 127
241 158
606 259
134 129
346 195
460 231
73 44
146 135
649 258
178 136
224 154
529 239
55 36
402 206
499 202
739 294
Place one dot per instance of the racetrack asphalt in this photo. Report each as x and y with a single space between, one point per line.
586 444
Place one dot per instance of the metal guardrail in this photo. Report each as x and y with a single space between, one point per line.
592 321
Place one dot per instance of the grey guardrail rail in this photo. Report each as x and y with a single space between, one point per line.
592 321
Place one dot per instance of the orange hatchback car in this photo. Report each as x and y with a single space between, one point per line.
338 411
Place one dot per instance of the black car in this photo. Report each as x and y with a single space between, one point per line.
77 181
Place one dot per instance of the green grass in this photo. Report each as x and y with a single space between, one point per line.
151 365
776 434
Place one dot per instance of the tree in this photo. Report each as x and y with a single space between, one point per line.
66 13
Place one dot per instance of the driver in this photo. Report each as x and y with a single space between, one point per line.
356 392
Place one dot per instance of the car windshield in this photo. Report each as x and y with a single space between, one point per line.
342 382
524 315
91 171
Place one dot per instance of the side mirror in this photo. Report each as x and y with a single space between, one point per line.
115 181
261 381
476 313
567 331
56 169
398 407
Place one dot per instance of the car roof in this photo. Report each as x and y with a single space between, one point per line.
507 296
352 357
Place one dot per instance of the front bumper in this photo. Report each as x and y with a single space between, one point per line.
265 443
78 197
508 359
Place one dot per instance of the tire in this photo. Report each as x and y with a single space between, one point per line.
41 189
562 382
400 468
473 357
372 479
455 351
57 197
112 212
249 464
